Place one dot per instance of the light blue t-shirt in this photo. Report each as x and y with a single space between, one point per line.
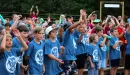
52 67
127 35
70 46
17 44
114 53
8 61
103 49
81 47
11 22
35 52
94 53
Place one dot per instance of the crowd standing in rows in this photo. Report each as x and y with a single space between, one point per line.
34 46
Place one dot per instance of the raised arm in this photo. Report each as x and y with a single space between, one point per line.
24 45
31 10
3 42
37 10
77 23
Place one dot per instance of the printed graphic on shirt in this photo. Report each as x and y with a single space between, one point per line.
104 47
117 48
74 43
11 64
39 57
95 55
55 52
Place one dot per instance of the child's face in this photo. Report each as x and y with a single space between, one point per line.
83 28
53 34
39 35
8 42
96 39
115 33
100 33
24 35
7 28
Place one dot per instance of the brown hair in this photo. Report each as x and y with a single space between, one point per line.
22 28
92 37
98 28
60 32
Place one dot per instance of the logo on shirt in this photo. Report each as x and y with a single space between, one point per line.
39 57
103 48
117 48
11 64
74 43
95 55
55 52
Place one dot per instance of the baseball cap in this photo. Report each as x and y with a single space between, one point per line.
49 29
96 21
66 26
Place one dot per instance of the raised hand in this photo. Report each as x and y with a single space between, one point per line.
4 32
16 33
36 7
32 6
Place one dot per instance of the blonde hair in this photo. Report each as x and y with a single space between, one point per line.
37 30
9 35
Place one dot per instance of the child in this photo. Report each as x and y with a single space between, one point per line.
16 44
35 53
52 52
127 56
8 55
69 55
81 38
103 49
115 54
93 55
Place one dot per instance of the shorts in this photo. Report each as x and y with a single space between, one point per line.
102 64
69 67
81 60
115 63
127 62
123 47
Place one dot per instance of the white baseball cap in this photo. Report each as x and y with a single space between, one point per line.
49 29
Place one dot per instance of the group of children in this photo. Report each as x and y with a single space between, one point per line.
65 48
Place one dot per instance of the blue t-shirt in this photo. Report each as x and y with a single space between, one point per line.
70 46
35 53
17 44
11 22
8 61
52 66
94 53
114 53
103 49
128 43
81 47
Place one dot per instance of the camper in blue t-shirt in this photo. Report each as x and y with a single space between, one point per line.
127 56
115 54
93 55
35 53
81 38
103 49
69 43
17 44
8 55
52 53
